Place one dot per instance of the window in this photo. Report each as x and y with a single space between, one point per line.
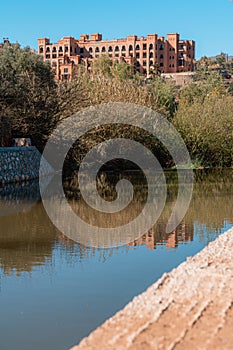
41 50
144 71
117 49
144 55
110 49
144 46
123 48
181 63
54 55
97 49
54 49
130 48
123 54
66 70
90 49
144 63
137 55
151 63
116 54
60 49
48 49
161 47
151 55
137 63
103 49
161 56
81 50
110 55
161 64
151 47
138 47
66 49
47 56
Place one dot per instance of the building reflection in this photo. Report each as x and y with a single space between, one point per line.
152 239
28 239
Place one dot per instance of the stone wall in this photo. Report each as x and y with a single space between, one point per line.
20 164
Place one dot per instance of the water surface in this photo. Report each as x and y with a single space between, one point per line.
53 291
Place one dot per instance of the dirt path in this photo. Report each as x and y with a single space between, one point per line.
189 308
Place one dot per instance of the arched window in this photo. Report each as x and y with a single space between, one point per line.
110 49
117 49
151 63
97 49
123 48
48 49
161 47
103 49
151 47
90 50
151 55
54 49
60 49
41 50
138 47
130 48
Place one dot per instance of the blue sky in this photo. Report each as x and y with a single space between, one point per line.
207 22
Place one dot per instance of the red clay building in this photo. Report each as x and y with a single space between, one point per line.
170 55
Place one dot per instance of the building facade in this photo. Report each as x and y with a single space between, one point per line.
170 55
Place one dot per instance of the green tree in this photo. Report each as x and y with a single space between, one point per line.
28 93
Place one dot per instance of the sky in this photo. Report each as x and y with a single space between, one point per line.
207 22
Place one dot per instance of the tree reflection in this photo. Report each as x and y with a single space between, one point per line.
28 238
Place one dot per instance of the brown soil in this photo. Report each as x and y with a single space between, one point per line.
189 308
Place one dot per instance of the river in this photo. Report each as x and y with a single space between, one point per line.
54 291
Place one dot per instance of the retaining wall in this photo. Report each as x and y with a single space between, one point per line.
20 164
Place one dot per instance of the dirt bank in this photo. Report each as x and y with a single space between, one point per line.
189 308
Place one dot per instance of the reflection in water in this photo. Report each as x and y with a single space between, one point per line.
71 289
28 238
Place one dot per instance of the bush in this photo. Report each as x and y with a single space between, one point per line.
207 129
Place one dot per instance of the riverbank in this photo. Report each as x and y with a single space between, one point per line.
189 308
